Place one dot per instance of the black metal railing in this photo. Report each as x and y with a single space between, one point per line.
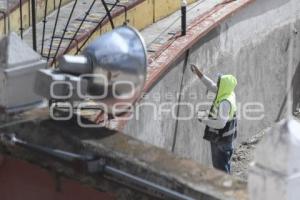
33 24
108 11
51 40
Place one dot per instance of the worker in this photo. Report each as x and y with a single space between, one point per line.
221 122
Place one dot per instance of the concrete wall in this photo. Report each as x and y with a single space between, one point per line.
254 45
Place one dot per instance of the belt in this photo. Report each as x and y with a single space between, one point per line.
228 133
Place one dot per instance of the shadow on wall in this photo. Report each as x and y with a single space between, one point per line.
296 89
254 10
259 7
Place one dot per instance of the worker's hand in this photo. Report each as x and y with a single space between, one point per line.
195 70
201 114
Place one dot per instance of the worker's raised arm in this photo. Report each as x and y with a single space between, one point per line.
211 85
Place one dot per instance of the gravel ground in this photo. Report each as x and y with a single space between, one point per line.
244 155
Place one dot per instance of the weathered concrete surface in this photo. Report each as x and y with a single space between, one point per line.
122 152
254 45
278 178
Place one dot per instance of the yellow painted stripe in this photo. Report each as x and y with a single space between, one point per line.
143 15
26 8
140 16
163 8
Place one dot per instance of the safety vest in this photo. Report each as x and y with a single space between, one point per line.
226 86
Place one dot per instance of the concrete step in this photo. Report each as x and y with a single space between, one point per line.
18 8
140 15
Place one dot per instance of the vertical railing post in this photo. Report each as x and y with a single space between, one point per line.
183 17
8 16
108 13
275 172
33 16
21 18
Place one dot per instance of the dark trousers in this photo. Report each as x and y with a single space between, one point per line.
221 155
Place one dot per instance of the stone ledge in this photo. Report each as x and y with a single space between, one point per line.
122 152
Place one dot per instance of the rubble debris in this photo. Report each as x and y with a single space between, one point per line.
243 156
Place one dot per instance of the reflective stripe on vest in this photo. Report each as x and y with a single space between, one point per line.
232 131
227 133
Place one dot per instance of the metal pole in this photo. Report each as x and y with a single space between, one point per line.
44 27
33 15
183 17
21 18
168 193
187 55
8 16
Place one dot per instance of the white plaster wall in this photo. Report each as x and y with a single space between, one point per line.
254 45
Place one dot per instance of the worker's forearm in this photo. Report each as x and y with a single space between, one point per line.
207 82
222 118
200 75
215 123
211 85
